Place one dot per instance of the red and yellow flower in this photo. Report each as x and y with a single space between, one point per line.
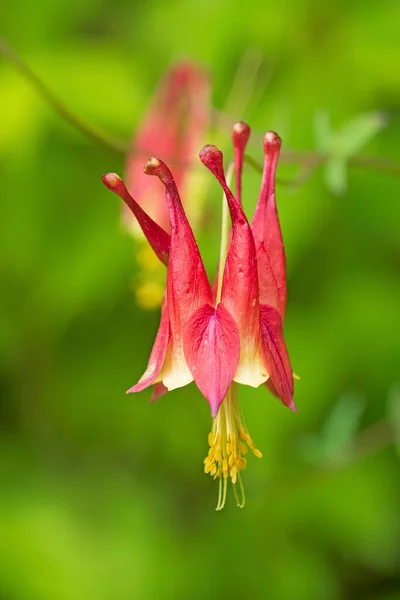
232 332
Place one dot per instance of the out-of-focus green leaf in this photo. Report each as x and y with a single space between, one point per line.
322 131
357 133
335 175
340 145
339 430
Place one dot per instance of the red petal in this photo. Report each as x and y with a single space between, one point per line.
267 232
276 356
188 287
172 128
187 283
158 391
212 349
240 137
268 384
240 284
158 239
158 353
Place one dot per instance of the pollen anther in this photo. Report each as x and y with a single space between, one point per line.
229 441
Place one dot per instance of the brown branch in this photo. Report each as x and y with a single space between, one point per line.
56 104
377 437
315 159
309 161
306 170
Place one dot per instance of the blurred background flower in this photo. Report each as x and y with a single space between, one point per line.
174 127
99 495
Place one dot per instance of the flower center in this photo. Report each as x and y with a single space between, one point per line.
229 441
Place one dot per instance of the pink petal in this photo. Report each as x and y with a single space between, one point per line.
158 353
240 137
172 128
187 283
212 348
159 390
158 239
268 384
267 232
276 356
188 287
240 283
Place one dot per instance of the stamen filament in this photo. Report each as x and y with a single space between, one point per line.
229 441
241 505
236 495
225 229
219 494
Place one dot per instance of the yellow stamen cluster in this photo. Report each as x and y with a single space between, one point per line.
229 442
149 283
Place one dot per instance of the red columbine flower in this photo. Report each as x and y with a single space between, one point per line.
235 334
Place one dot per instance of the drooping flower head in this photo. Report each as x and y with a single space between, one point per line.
232 333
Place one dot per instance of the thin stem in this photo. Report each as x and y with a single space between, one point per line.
253 163
224 235
225 482
235 494
309 160
219 493
259 169
313 159
241 92
43 91
380 164
243 502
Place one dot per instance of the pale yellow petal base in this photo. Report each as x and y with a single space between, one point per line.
175 372
251 369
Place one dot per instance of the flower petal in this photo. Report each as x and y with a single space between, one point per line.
240 137
159 390
212 348
267 232
158 353
276 356
240 282
188 287
270 386
158 239
187 282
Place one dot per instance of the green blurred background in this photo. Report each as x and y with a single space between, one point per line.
102 495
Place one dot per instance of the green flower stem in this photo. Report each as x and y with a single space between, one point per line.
224 235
